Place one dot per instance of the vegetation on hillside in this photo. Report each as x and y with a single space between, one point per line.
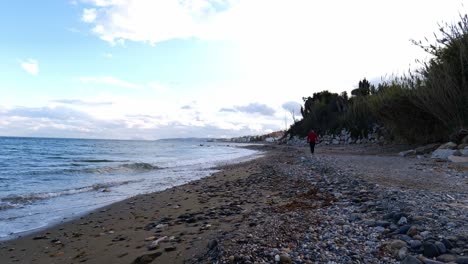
429 104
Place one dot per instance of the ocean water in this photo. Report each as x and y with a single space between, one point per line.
44 181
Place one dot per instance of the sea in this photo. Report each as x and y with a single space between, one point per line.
44 181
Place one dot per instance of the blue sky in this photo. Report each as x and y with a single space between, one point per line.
208 68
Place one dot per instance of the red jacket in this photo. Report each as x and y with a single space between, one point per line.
312 137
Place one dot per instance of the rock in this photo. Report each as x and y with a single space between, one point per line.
462 260
40 237
395 245
402 253
354 217
405 238
382 223
442 154
277 258
415 244
441 247
464 140
284 258
447 243
458 159
212 244
412 231
170 248
429 261
155 244
404 229
447 258
407 153
464 151
403 221
430 250
448 145
411 260
426 149
380 229
145 259
425 234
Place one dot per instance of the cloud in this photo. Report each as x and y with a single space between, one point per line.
152 21
64 121
31 66
110 81
293 107
55 113
227 110
89 15
80 102
256 108
186 107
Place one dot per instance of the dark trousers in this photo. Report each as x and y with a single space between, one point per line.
312 147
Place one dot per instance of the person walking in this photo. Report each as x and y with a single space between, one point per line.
312 140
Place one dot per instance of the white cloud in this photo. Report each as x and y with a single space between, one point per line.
152 21
295 42
31 66
108 80
89 15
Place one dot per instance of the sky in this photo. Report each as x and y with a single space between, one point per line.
150 69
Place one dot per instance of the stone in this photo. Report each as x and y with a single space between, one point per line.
458 159
402 253
395 245
380 229
447 243
415 244
404 229
155 244
442 154
284 258
382 223
411 260
405 238
448 145
441 247
464 151
277 258
146 258
462 260
412 231
402 221
425 234
430 250
407 153
447 258
465 140
212 244
170 248
429 261
426 149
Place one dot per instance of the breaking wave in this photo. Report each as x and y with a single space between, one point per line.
13 201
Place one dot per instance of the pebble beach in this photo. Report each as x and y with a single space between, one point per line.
347 204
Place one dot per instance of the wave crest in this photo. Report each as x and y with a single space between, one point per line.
13 201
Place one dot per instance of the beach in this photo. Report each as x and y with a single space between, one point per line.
347 204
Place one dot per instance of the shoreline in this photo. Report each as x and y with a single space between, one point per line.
216 167
287 206
33 240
